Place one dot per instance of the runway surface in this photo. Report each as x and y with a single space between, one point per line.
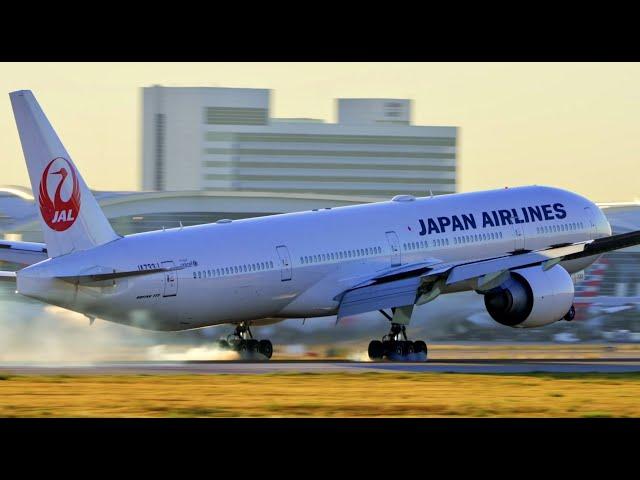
618 365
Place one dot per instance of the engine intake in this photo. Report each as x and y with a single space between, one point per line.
531 297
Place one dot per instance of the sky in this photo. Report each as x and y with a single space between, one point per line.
570 125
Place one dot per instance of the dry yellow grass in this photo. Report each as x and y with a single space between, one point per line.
324 395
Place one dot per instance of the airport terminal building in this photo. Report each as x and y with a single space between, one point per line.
225 139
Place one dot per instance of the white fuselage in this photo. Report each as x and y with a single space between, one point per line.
294 265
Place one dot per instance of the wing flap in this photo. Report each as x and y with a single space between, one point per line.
379 296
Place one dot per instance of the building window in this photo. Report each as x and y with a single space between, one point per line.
159 151
235 116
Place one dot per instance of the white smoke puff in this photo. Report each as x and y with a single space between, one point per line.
359 357
34 332
162 353
64 314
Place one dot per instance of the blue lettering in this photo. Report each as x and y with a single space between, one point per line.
469 220
515 216
444 222
535 212
486 220
457 224
496 221
505 217
423 229
560 211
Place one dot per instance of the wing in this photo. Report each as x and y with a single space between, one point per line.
416 284
22 253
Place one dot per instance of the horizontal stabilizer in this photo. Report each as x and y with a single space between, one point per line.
23 253
92 279
7 276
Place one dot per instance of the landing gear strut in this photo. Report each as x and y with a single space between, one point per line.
242 341
395 345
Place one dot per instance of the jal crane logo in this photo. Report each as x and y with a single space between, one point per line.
58 213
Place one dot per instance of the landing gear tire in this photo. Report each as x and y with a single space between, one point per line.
265 348
408 348
571 314
419 347
396 346
252 345
376 350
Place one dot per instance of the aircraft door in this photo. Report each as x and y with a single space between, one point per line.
394 244
170 280
285 263
519 237
590 222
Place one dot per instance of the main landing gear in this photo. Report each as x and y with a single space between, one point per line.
395 345
242 341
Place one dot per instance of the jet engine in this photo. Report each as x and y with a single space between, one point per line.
531 297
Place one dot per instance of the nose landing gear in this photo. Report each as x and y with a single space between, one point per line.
571 314
242 341
395 345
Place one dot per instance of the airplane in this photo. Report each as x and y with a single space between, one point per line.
517 247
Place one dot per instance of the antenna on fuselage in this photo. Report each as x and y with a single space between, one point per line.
430 193
180 224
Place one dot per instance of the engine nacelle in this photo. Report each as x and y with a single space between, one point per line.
531 297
